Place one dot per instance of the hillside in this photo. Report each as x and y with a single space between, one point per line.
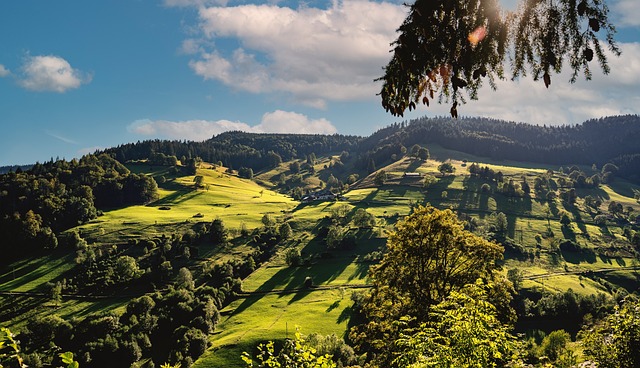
213 261
611 139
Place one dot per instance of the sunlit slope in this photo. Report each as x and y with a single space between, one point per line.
234 200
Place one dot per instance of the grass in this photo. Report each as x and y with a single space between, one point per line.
273 317
236 201
33 274
33 308
267 315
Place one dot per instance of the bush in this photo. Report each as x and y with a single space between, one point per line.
293 257
308 282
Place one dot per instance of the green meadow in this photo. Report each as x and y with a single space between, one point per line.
274 300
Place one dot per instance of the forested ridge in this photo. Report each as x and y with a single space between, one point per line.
598 141
237 149
612 139
38 204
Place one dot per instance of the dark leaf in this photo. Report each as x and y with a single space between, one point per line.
547 79
588 54
582 7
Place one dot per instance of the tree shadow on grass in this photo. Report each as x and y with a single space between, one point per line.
605 259
568 233
579 257
177 198
414 165
333 306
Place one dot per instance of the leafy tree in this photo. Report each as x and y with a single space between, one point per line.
464 331
274 159
565 220
515 276
218 232
185 279
332 182
362 218
429 255
554 344
414 150
446 47
294 167
423 154
335 234
268 221
380 177
245 172
198 181
615 208
339 213
126 268
446 168
615 342
293 257
10 353
285 231
429 180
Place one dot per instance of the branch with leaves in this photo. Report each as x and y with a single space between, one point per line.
448 48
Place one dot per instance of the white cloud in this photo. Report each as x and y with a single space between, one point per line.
198 130
51 73
313 54
89 150
628 11
562 103
290 122
190 46
4 71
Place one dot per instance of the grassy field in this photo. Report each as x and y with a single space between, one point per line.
247 322
33 274
274 300
238 202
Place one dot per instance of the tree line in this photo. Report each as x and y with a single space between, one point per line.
37 204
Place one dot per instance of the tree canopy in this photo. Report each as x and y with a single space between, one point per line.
429 256
447 47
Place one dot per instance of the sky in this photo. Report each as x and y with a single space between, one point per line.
77 76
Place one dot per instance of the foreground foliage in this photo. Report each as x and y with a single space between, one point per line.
294 354
463 331
615 342
446 47
429 256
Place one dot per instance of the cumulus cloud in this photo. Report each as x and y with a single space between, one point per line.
4 71
89 150
198 130
529 101
290 122
51 73
628 11
312 54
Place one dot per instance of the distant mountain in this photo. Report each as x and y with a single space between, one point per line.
612 139
237 149
14 168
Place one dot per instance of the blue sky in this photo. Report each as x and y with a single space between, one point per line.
78 75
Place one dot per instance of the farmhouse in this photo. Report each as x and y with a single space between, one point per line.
411 175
